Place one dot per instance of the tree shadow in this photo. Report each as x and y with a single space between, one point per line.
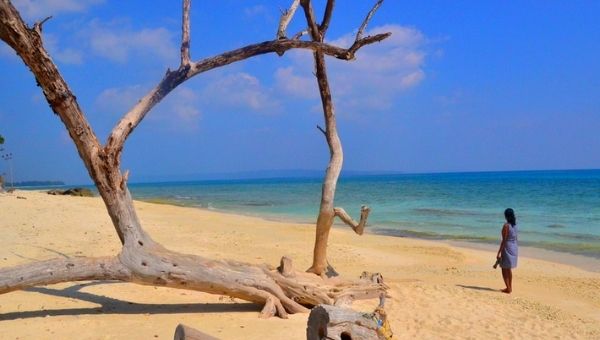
479 288
110 305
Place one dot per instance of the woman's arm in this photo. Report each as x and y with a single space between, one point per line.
504 238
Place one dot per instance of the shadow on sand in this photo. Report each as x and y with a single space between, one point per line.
110 305
479 288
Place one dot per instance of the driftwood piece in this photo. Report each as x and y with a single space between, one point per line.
183 332
332 322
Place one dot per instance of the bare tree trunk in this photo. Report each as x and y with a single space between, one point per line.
336 160
142 260
327 211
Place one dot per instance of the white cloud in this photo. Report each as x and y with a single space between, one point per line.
117 41
295 84
183 104
380 72
240 90
180 109
40 9
118 100
257 10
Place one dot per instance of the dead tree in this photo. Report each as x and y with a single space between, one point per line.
327 212
141 259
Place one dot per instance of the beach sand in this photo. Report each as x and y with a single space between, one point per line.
438 291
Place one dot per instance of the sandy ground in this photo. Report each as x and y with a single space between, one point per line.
438 291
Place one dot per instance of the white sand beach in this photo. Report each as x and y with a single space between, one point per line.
438 291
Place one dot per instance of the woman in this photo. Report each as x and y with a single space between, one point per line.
509 250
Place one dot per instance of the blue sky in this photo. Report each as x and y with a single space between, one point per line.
460 86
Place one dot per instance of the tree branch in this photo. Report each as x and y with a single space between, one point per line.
367 41
326 17
280 291
313 29
322 130
357 227
300 34
363 26
285 19
172 79
61 270
185 34
38 25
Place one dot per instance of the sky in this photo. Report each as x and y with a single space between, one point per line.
459 86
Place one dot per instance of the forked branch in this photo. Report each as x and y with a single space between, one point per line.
359 41
173 79
285 19
365 22
359 227
190 69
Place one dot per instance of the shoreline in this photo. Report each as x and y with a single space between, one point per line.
585 262
588 263
435 289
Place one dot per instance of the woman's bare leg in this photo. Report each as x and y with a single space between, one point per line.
505 277
509 280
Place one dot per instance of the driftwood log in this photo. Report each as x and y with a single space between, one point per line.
141 259
183 332
337 323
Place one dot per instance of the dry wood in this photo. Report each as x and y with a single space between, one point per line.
365 22
285 19
183 332
142 260
357 227
336 323
185 34
327 212
327 16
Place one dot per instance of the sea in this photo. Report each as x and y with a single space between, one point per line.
556 210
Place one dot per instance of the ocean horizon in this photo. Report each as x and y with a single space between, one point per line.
557 210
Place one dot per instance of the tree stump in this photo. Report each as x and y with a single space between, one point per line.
183 332
331 322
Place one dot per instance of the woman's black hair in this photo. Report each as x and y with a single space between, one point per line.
509 214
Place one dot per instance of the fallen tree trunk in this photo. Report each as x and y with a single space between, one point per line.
280 290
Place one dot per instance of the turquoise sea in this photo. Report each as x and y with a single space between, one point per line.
556 210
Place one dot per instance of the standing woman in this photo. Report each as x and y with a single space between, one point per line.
509 250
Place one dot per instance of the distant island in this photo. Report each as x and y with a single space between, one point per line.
36 183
